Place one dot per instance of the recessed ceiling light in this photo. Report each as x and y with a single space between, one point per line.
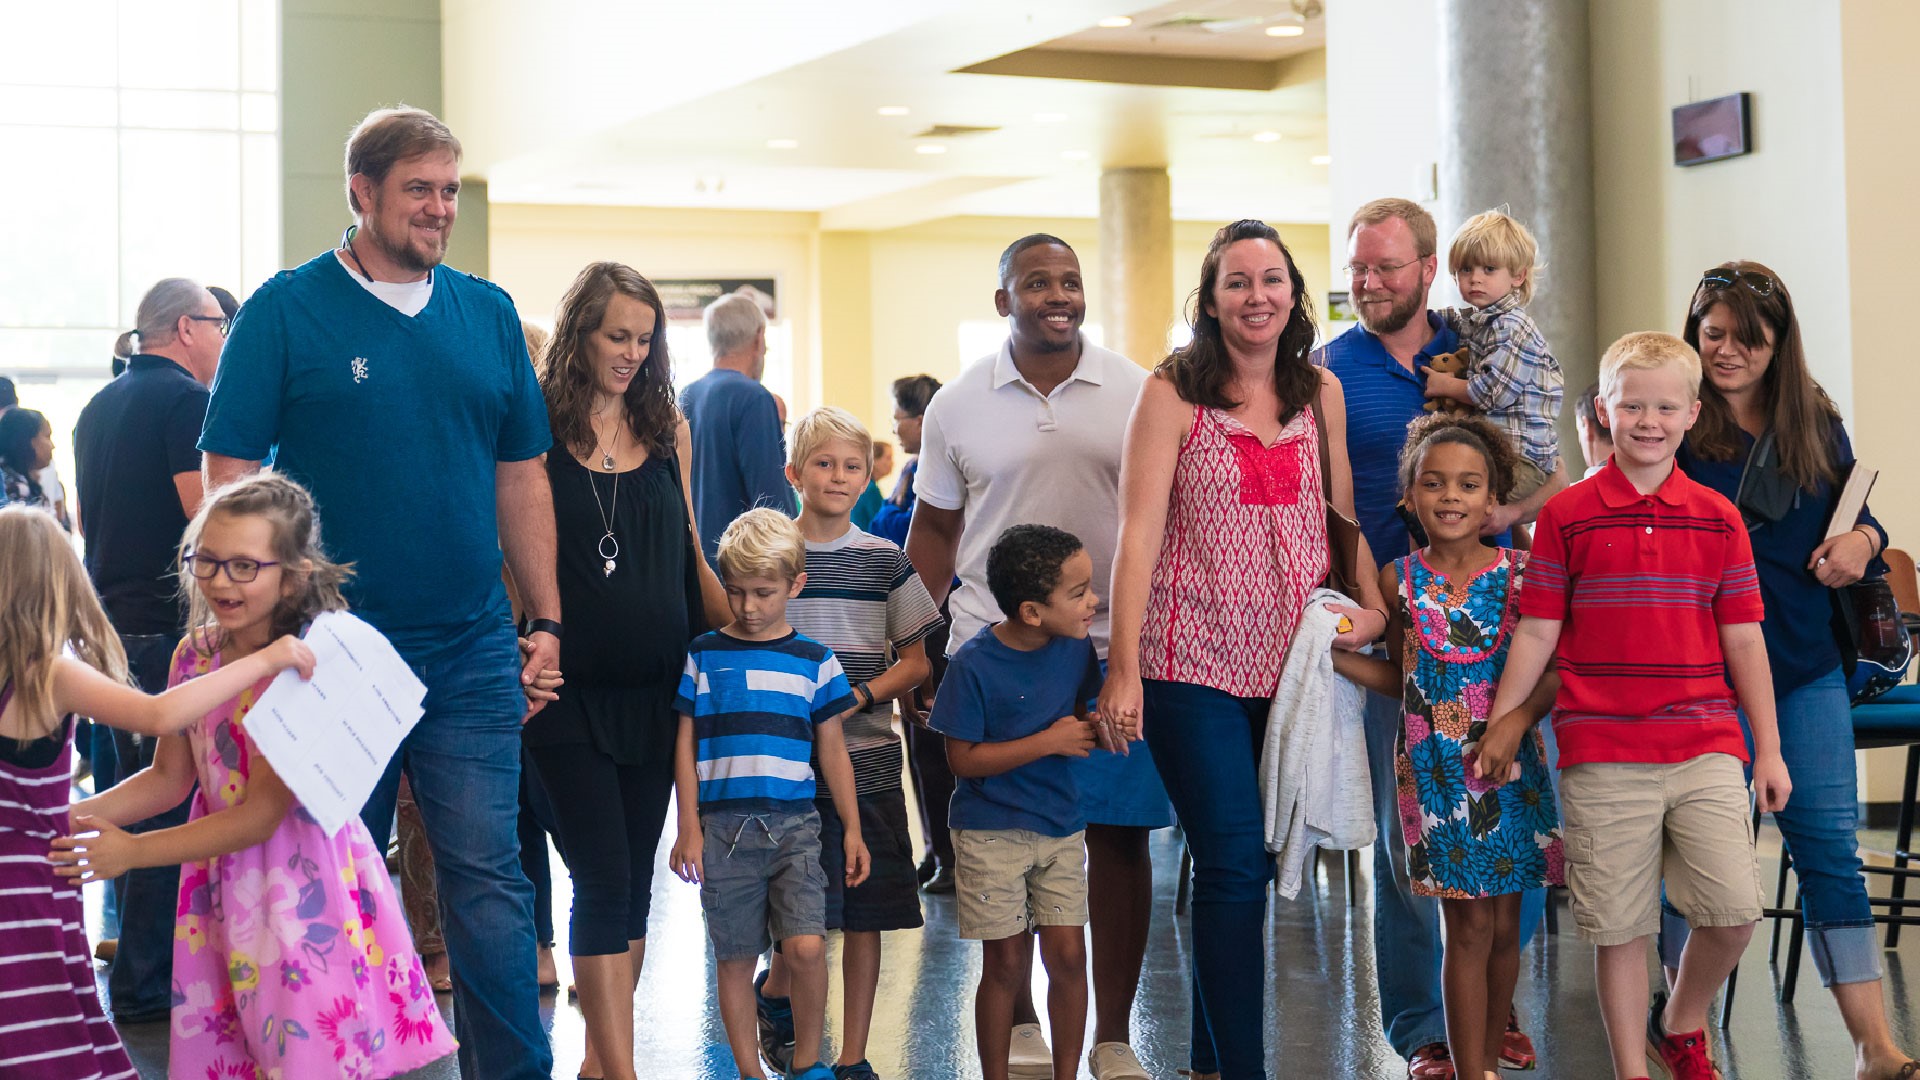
1049 118
1321 159
1266 136
893 110
930 148
783 144
1116 22
1286 29
1075 155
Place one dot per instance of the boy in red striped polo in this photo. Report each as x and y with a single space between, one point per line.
1642 585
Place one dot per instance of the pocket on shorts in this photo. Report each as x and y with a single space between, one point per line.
1577 844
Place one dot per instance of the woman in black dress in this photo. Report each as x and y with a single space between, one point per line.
635 592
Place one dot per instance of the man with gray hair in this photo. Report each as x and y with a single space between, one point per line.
138 480
739 451
398 390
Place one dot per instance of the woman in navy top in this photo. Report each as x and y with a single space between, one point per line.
1756 388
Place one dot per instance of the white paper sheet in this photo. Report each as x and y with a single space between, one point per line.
330 737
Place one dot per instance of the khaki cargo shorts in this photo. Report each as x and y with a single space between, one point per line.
1629 826
1008 881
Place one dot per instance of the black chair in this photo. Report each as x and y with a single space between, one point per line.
1893 719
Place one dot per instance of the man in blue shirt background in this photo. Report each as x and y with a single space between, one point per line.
739 452
399 392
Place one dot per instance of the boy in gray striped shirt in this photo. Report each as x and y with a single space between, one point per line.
862 600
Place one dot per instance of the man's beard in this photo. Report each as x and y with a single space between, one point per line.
403 254
1397 317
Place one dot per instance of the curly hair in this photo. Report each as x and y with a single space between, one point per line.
1474 432
1201 371
1024 564
567 378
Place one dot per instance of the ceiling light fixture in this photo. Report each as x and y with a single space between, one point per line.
783 144
930 148
1116 22
1320 159
893 110
1266 136
1049 118
1285 30
1075 155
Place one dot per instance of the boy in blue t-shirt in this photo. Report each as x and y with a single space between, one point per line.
1014 710
755 702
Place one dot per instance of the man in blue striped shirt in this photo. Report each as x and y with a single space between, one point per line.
756 700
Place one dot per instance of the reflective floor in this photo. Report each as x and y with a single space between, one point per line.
1322 1008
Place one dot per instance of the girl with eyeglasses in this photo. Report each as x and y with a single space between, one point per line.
1770 440
291 954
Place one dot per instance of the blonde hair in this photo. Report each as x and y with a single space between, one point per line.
1492 238
824 425
537 338
47 606
1649 350
1426 235
762 543
288 508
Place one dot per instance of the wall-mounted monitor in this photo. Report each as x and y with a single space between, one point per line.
1713 130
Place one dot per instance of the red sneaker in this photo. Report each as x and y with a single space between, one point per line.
1516 1050
1685 1055
1430 1062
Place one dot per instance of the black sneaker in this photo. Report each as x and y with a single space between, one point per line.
773 1018
941 883
857 1071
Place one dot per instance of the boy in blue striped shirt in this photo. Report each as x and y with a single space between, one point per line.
756 701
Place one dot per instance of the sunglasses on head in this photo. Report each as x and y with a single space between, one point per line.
1721 277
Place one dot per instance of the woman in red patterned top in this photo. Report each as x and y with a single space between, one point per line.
1222 538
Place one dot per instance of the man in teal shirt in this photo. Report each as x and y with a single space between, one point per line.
399 392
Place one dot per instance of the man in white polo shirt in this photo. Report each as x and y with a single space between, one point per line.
1032 435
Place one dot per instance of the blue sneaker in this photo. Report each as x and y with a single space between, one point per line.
816 1071
857 1071
774 1023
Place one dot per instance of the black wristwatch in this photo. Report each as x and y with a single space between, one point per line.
536 626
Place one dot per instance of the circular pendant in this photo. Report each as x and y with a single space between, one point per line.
606 555
606 461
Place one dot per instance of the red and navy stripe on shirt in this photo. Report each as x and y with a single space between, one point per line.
1643 584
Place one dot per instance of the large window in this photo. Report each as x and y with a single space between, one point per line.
142 142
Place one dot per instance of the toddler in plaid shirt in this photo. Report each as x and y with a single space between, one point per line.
1512 377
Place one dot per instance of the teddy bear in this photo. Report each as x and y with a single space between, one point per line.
1451 363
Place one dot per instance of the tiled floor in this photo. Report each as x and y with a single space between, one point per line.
1322 1008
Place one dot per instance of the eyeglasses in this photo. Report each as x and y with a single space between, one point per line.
225 323
1721 277
240 570
1361 271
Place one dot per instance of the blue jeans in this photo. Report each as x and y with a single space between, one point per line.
1819 826
463 760
1207 746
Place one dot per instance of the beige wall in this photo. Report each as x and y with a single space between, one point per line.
867 307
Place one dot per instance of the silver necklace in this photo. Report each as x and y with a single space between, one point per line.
606 520
606 456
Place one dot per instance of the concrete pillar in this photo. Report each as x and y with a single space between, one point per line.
1514 132
1136 262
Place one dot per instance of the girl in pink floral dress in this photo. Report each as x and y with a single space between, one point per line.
291 956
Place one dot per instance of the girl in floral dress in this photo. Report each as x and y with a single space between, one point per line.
1477 845
291 956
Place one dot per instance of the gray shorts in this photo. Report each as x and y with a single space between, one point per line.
763 881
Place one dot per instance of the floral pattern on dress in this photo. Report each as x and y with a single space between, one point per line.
291 958
1467 838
